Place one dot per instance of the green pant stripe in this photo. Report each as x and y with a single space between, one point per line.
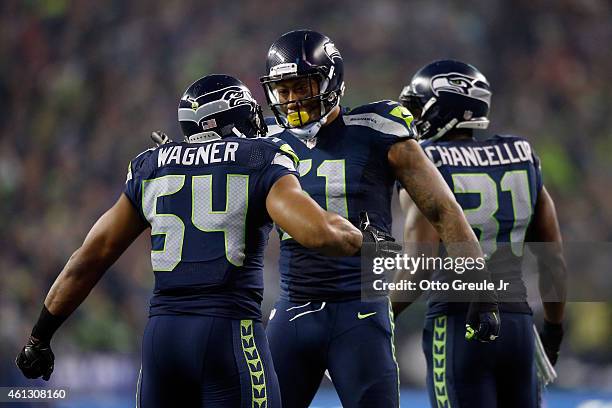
439 362
392 324
259 396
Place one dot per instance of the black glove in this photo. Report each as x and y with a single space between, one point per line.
160 138
551 336
376 243
36 359
482 322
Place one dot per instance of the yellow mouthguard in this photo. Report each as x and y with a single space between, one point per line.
294 118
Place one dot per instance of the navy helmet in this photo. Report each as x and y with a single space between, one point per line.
217 106
304 54
447 95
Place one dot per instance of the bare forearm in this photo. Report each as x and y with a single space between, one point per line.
445 215
547 246
457 234
342 239
428 190
324 232
302 218
554 311
74 283
552 286
435 201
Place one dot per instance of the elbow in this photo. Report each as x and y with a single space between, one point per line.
90 258
329 234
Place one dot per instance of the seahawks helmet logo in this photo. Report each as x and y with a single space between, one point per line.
331 51
237 96
460 84
211 103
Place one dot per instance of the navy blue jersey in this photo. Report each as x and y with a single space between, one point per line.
205 203
345 170
496 182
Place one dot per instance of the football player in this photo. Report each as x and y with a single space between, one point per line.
209 202
498 183
349 161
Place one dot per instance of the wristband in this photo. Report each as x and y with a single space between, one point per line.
553 329
47 325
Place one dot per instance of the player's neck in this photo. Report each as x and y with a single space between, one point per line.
458 135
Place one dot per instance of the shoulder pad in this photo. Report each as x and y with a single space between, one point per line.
137 162
509 137
273 127
528 146
270 120
384 116
374 107
283 147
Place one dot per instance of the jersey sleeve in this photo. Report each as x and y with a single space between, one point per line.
282 161
393 121
133 182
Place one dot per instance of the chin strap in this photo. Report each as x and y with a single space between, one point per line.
308 132
443 130
478 123
203 137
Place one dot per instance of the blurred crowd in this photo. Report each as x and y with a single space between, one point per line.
83 83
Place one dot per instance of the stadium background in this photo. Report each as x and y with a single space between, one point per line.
83 83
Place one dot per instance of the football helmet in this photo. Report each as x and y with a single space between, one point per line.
313 56
447 94
217 106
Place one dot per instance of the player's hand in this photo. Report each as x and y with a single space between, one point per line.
551 337
36 359
160 138
482 321
376 242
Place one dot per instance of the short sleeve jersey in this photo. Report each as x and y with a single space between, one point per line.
496 182
346 171
205 203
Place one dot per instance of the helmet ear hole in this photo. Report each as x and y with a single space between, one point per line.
482 84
